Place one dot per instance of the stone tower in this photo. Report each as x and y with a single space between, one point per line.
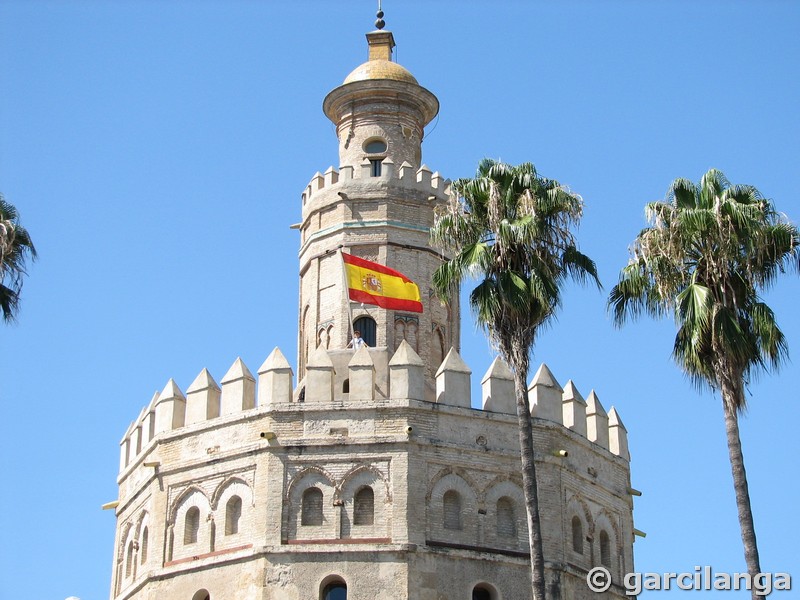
373 477
379 206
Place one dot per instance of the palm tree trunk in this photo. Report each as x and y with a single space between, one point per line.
529 478
736 457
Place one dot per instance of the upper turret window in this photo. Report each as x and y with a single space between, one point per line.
129 560
372 147
335 591
605 549
364 507
191 525
233 512
375 147
482 592
143 546
577 535
451 505
506 524
368 329
311 507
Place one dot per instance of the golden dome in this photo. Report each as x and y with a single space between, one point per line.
380 69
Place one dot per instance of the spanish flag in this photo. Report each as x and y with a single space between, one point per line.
371 283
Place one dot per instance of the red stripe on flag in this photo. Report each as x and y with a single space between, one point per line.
360 262
385 301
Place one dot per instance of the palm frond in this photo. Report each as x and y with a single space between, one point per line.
580 267
694 305
9 302
16 248
629 298
771 341
707 252
682 194
511 230
485 302
712 185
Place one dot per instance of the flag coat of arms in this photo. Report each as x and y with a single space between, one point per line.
371 283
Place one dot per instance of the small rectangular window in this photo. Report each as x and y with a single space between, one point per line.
311 507
375 167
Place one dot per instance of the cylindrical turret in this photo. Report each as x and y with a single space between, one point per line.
378 206
380 111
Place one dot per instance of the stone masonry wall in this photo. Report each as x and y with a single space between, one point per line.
447 510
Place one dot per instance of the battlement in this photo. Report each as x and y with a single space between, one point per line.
368 377
423 179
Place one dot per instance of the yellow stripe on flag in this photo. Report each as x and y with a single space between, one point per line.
372 283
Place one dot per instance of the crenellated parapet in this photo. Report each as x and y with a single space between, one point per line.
381 214
369 377
420 179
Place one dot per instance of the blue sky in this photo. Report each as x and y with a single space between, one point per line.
157 151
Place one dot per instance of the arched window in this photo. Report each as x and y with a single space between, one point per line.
335 591
368 329
506 523
233 511
482 592
451 508
305 343
399 332
375 146
605 550
577 534
170 543
311 508
201 595
143 547
129 560
322 338
191 525
411 335
437 348
364 507
346 386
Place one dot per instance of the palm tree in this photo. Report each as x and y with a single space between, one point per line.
511 230
15 248
707 253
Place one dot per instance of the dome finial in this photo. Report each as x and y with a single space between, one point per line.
379 22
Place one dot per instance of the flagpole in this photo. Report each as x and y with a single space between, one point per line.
346 288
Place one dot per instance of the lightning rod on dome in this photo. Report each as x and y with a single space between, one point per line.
379 22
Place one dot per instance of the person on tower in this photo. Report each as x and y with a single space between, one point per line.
357 342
